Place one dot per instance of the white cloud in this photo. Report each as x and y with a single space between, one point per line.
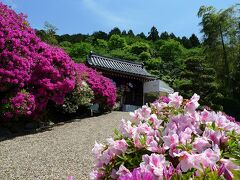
109 17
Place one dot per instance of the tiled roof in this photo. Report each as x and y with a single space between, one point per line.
118 65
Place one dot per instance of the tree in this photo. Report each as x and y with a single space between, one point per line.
115 30
172 55
66 46
116 42
164 36
153 34
100 35
153 65
144 56
102 43
50 31
79 51
172 36
130 33
124 32
139 47
198 78
186 42
194 40
141 35
220 30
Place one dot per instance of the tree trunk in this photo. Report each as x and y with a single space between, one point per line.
225 58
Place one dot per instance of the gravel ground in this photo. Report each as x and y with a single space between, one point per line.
64 150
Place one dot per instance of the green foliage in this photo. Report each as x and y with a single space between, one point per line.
144 56
102 43
115 31
153 34
194 40
66 45
124 54
221 32
171 50
100 35
82 95
116 42
142 35
139 47
79 51
198 78
172 55
48 34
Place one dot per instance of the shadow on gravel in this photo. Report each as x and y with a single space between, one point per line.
11 130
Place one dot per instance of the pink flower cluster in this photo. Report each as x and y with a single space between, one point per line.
22 104
17 49
102 87
46 72
171 138
53 75
27 63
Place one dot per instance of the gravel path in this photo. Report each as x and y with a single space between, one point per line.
65 150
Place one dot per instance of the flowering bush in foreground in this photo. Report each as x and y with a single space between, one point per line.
171 139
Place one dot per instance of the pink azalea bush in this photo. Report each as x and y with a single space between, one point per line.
171 139
22 104
53 76
104 90
47 73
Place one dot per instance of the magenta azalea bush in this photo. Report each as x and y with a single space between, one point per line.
22 104
26 63
53 76
45 72
104 90
171 139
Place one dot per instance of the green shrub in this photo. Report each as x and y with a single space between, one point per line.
82 95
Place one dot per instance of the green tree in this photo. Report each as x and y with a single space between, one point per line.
80 51
198 78
50 31
144 56
124 32
172 55
48 34
139 47
102 43
164 36
114 31
130 33
142 35
123 54
220 30
153 34
172 36
66 46
194 40
116 42
100 35
153 65
186 42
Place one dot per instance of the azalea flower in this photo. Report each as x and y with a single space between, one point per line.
171 139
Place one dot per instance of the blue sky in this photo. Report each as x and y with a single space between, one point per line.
88 16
